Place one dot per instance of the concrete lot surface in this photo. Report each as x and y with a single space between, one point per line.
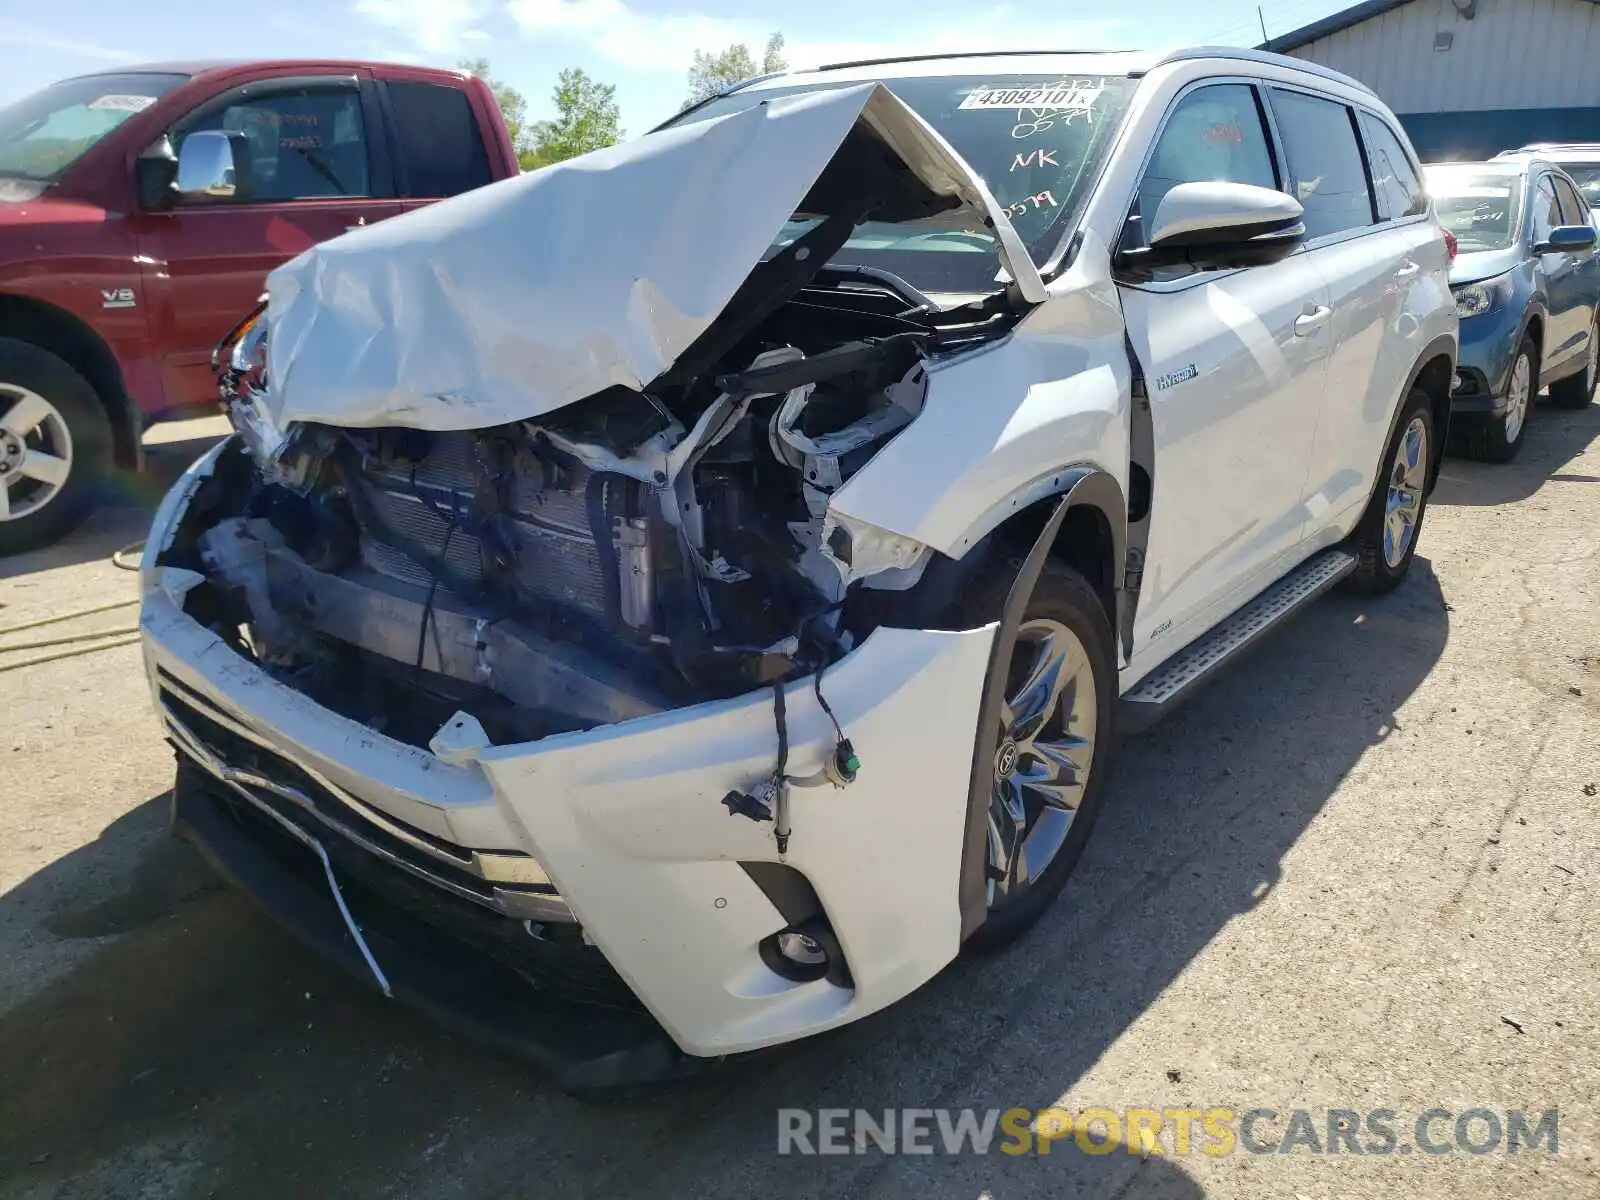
1361 871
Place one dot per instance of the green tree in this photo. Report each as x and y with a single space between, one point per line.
713 73
586 119
513 108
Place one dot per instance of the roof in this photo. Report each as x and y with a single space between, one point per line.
1335 23
1132 63
200 66
1556 152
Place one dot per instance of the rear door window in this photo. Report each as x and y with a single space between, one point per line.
440 144
1327 172
1395 177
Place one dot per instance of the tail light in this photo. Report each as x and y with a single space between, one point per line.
1451 246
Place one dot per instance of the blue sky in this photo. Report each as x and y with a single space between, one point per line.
644 47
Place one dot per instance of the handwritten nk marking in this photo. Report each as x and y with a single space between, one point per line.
1043 158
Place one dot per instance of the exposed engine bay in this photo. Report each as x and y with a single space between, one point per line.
626 554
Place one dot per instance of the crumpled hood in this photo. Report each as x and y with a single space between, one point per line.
532 293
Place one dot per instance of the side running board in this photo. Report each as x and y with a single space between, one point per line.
1159 692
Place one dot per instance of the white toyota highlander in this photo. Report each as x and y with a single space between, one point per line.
672 602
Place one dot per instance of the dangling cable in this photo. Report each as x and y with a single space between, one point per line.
780 776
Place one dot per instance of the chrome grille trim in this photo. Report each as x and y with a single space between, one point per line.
516 871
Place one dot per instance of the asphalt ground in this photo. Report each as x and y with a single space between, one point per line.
1361 871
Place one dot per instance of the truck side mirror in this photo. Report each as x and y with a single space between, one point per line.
207 162
154 173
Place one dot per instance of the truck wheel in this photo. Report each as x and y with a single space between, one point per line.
1385 541
1497 439
55 447
1576 391
1053 752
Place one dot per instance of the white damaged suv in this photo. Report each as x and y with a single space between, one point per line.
669 603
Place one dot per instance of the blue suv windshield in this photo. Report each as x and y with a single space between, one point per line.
1037 141
1482 210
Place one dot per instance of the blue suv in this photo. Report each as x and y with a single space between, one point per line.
1527 288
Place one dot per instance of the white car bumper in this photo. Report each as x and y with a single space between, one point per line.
627 821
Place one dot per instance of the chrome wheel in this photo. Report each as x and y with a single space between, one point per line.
1407 478
35 452
1594 362
1519 392
1045 753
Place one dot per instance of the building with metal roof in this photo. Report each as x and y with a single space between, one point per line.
1468 77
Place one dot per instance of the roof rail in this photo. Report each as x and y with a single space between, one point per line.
1532 146
1267 58
911 58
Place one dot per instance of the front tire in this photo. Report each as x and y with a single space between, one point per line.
1053 753
1577 391
1385 541
55 447
1498 439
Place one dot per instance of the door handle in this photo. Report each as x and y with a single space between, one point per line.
1307 322
1408 271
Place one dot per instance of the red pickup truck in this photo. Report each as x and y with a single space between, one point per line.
119 272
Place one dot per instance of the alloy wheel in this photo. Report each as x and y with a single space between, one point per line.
1519 392
1045 753
1407 478
35 452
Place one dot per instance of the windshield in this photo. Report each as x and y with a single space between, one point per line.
42 136
1482 210
1037 141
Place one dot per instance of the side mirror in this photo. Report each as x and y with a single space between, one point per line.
154 173
1221 225
206 164
1567 239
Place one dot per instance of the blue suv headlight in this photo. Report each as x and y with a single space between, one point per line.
1475 299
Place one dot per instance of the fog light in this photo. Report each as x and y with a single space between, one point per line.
802 949
806 951
1456 383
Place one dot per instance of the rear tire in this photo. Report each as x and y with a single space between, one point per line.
55 447
1385 541
1577 391
1498 439
1054 753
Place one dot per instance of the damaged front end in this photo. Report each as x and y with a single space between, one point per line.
627 554
520 575
640 549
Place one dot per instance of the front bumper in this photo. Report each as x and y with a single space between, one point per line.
1488 345
471 993
625 822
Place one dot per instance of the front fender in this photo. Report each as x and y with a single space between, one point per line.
1085 486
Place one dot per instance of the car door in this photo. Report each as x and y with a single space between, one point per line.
1233 363
1383 260
316 166
1585 274
1565 323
